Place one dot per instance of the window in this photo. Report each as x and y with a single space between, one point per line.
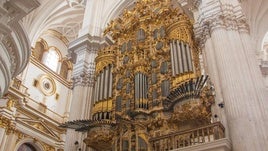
51 59
64 69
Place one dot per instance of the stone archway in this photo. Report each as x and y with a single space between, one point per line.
28 145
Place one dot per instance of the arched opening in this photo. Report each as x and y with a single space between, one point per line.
51 59
40 47
65 68
27 147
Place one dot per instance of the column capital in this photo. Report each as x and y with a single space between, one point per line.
216 15
83 51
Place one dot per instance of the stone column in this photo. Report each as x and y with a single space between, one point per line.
2 138
83 51
7 124
10 142
233 69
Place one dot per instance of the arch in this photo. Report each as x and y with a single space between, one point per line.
30 141
57 51
66 65
40 47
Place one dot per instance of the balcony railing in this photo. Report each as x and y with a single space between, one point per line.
187 138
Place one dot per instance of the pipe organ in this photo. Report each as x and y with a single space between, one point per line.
148 83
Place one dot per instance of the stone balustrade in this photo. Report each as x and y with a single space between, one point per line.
186 138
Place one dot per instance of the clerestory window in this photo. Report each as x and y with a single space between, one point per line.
51 59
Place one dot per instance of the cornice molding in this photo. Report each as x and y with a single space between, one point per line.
218 16
54 75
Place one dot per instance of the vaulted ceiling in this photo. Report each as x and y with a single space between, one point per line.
62 16
66 16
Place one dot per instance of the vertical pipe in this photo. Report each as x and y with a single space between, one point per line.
136 85
146 86
95 90
176 61
141 89
101 85
179 57
106 83
98 88
136 90
184 57
190 60
172 58
146 92
111 81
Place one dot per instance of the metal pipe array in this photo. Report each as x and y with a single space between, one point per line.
103 84
181 57
141 89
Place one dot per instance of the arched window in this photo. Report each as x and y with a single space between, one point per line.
40 47
64 69
51 59
38 51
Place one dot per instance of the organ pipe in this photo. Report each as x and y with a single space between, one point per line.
135 88
172 59
95 90
176 57
189 55
106 82
181 57
180 63
98 88
110 81
184 57
101 85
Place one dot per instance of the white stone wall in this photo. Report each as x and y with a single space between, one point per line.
58 106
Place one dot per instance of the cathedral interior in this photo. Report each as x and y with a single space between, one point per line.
133 75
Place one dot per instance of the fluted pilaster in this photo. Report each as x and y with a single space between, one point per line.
83 51
231 63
